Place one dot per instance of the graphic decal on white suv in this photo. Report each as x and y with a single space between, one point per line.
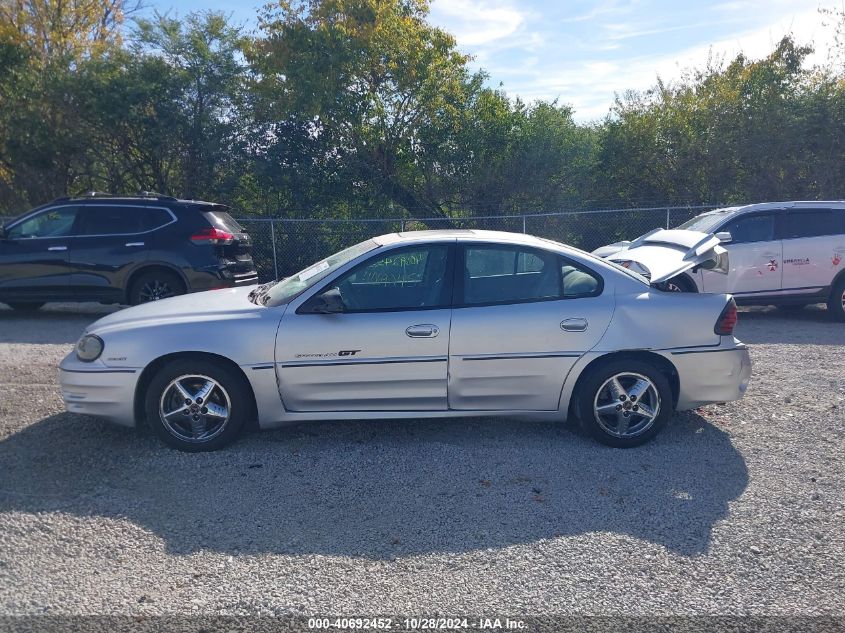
773 265
836 259
797 261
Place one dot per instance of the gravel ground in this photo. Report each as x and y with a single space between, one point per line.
735 509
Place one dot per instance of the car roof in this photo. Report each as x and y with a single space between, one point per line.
501 237
766 206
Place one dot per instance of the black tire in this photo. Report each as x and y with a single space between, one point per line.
154 285
161 396
593 390
25 306
836 302
681 283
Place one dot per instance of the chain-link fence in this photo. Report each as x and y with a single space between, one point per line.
283 246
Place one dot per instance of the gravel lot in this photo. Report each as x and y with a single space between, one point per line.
735 509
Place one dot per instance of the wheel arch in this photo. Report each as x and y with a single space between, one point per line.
147 267
152 368
663 364
688 281
839 277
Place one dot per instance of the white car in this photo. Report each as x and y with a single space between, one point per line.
779 253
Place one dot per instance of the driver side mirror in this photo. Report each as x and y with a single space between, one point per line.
724 237
330 302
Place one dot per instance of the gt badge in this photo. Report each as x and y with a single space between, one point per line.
348 352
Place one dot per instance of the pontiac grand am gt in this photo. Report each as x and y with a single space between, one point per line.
413 325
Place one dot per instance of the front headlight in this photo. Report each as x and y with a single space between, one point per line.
89 348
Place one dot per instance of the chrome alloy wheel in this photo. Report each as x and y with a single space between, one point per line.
843 300
626 405
154 290
195 408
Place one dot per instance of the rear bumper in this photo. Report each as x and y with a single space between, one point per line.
710 376
97 390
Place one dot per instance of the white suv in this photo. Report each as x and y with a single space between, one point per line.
779 253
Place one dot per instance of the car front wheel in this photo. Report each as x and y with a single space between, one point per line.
625 403
197 406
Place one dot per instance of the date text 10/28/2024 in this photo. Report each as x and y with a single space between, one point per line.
417 624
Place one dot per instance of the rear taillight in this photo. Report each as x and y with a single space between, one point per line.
212 236
727 320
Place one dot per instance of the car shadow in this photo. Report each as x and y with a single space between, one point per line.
380 489
55 324
811 325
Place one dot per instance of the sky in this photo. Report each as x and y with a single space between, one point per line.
584 52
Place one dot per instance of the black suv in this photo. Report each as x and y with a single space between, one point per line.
121 249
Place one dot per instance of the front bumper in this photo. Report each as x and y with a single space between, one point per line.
94 389
711 376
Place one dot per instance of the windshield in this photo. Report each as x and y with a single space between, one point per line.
706 222
287 288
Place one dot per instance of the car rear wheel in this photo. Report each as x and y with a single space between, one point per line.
836 303
197 406
625 403
25 306
155 285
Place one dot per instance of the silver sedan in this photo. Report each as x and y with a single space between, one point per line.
412 325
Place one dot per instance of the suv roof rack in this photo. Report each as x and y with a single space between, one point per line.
153 194
104 194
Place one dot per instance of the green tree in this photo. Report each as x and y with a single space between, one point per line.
378 92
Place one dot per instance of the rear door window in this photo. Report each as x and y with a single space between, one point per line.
109 220
505 274
812 223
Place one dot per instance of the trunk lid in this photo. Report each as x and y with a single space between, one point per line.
667 253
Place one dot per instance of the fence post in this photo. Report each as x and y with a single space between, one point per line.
523 225
273 239
402 225
667 218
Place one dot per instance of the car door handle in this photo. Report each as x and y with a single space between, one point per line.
134 243
57 248
424 330
573 325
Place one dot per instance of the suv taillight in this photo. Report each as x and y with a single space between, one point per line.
727 320
212 236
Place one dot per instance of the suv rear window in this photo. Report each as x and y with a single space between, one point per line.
222 220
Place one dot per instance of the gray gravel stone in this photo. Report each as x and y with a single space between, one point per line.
734 509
